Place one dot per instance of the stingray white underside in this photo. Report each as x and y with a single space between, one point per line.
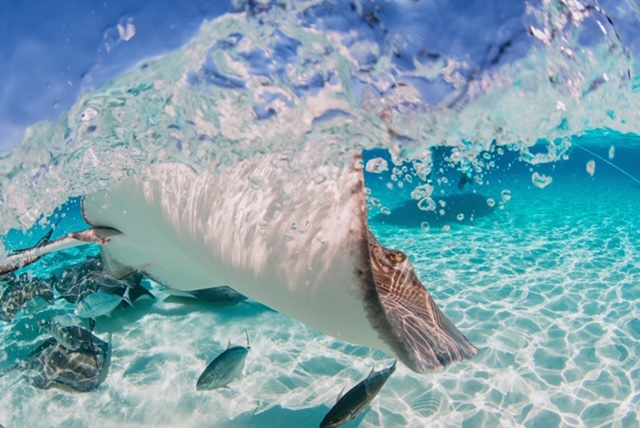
297 247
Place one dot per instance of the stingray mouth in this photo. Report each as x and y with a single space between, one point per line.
416 329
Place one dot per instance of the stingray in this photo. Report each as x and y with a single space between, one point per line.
80 282
301 248
20 291
52 364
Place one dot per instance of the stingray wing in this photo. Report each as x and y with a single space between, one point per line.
424 335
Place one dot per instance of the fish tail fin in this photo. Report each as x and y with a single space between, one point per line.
126 298
43 324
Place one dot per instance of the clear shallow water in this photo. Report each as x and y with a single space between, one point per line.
546 287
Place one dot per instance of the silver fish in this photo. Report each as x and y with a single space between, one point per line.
224 368
357 399
72 337
100 303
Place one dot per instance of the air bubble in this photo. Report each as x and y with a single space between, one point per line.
377 165
491 202
385 211
612 152
423 171
425 226
460 217
427 204
591 167
421 192
441 212
540 180
390 186
445 180
446 228
506 195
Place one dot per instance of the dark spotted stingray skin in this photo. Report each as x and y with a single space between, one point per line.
424 334
19 291
81 370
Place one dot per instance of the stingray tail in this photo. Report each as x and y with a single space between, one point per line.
19 260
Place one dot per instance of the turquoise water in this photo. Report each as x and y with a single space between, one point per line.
546 287
535 259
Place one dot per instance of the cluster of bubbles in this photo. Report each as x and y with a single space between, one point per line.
318 86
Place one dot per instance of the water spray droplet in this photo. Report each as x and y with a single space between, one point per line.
88 114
